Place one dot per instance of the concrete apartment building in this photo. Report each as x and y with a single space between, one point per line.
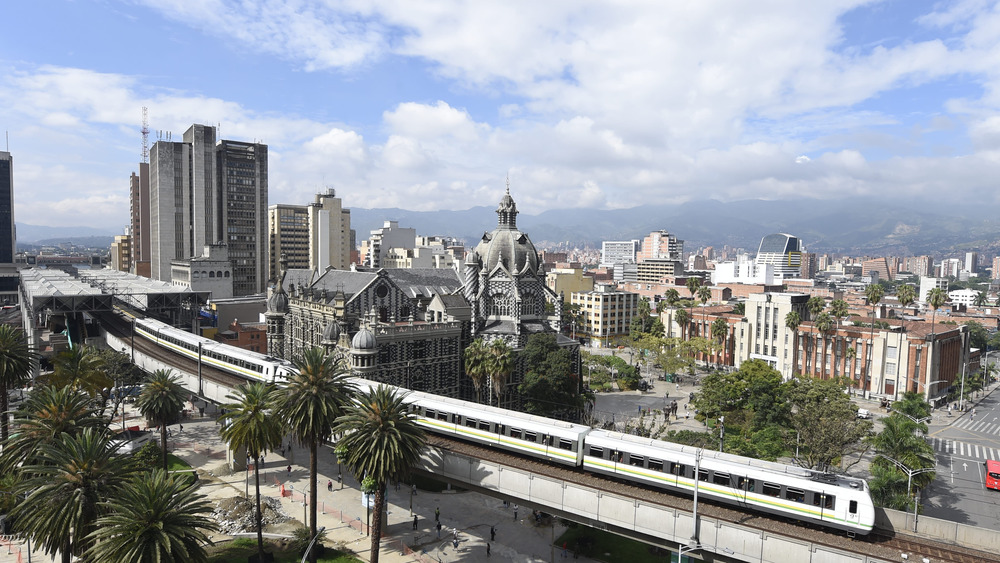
207 192
314 236
918 265
210 272
121 253
607 314
139 214
391 235
618 252
568 278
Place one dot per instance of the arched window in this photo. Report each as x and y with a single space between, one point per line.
227 274
219 274
211 274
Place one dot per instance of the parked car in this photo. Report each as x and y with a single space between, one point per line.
864 413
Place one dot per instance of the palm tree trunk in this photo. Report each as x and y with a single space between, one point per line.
313 447
377 516
163 443
260 530
4 430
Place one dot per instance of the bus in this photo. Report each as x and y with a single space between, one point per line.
992 474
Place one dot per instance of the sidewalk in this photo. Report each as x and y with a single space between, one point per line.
342 513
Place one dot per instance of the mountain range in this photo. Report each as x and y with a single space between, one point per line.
856 226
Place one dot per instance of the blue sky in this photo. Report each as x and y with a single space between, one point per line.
430 105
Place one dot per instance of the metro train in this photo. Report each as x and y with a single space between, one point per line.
834 501
830 500
244 363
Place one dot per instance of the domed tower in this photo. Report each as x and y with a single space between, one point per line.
364 352
274 315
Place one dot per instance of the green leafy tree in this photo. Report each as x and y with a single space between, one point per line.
65 483
550 387
80 367
152 517
888 487
740 309
978 335
382 441
119 368
981 299
902 439
161 402
16 360
477 364
249 424
826 422
313 398
750 398
913 404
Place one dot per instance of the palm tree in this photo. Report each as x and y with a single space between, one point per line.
874 293
672 297
501 364
161 402
720 330
981 299
815 305
838 309
851 355
704 294
65 483
792 322
682 318
906 295
16 360
80 367
902 439
823 323
383 441
310 403
249 425
153 517
476 358
45 416
740 309
935 298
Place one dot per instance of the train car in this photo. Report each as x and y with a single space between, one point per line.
535 436
830 500
250 365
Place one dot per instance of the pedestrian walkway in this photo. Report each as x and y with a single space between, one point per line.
977 425
964 450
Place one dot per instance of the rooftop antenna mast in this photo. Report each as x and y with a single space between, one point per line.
145 135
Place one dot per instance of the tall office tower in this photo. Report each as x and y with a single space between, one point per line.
205 193
972 262
618 252
808 268
784 252
9 278
314 236
660 244
919 265
139 201
995 273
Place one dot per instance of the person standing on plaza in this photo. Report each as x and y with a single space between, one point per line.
414 521
515 513
437 513
488 550
493 533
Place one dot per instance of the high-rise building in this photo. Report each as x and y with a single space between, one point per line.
618 252
9 278
139 228
660 244
202 193
995 274
784 252
314 236
880 265
121 253
972 262
919 265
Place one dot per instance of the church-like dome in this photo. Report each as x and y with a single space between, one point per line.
363 340
332 332
278 301
506 245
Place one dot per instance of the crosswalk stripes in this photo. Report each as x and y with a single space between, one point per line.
978 426
962 449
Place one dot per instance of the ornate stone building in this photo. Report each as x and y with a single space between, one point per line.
409 327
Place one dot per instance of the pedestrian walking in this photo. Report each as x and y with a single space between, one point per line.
488 550
414 489
181 427
493 533
329 485
289 470
515 513
438 526
437 513
414 521
455 543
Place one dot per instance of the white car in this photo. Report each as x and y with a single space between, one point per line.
864 413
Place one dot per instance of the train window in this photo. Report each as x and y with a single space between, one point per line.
772 490
703 475
484 425
442 416
817 499
751 485
597 452
828 502
720 478
515 433
795 495
655 464
636 460
471 422
741 482
853 507
530 436
565 444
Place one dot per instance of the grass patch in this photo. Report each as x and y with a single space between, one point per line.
238 550
175 463
605 546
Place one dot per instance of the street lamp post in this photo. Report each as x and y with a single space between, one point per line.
909 480
961 398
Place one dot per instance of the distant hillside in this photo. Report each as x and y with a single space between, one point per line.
40 234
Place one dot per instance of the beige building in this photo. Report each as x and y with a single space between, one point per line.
121 253
211 272
567 281
764 335
314 236
607 313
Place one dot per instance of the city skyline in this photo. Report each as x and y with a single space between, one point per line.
582 105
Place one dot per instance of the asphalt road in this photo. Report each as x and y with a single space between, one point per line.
958 494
